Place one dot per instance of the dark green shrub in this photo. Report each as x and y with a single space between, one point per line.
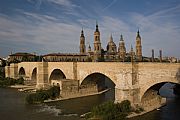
54 92
111 111
125 106
42 95
20 81
4 82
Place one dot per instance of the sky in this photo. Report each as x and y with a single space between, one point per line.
54 26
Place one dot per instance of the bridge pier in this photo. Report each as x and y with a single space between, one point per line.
12 71
42 75
128 94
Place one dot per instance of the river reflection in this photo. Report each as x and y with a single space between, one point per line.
13 107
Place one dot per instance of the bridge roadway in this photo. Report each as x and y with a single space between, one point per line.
136 82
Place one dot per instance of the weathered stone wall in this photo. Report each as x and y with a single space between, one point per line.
76 91
65 67
13 71
7 71
42 75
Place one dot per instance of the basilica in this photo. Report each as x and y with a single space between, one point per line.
112 52
98 54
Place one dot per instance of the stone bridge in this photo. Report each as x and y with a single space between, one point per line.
133 81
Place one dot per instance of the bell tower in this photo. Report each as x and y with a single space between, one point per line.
122 48
82 43
97 44
138 47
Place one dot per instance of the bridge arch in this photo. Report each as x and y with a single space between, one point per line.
34 74
84 75
56 74
98 78
22 72
153 86
102 82
151 98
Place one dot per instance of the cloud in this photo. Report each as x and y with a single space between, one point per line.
45 33
36 3
66 3
109 5
159 31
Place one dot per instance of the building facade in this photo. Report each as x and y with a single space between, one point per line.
21 57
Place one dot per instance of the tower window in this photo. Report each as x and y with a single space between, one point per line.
96 38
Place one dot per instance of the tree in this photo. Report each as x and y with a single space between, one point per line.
89 59
25 58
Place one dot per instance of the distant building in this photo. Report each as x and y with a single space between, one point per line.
61 57
170 59
21 57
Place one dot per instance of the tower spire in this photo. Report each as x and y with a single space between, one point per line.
121 38
138 35
97 30
82 32
131 48
111 38
89 48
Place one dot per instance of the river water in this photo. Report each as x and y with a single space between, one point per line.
13 107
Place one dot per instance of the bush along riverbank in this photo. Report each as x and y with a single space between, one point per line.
5 82
110 111
42 95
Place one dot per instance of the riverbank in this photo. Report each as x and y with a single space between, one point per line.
67 98
150 109
26 88
6 82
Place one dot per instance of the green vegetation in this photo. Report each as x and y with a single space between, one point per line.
138 110
5 82
3 64
2 72
42 95
111 111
